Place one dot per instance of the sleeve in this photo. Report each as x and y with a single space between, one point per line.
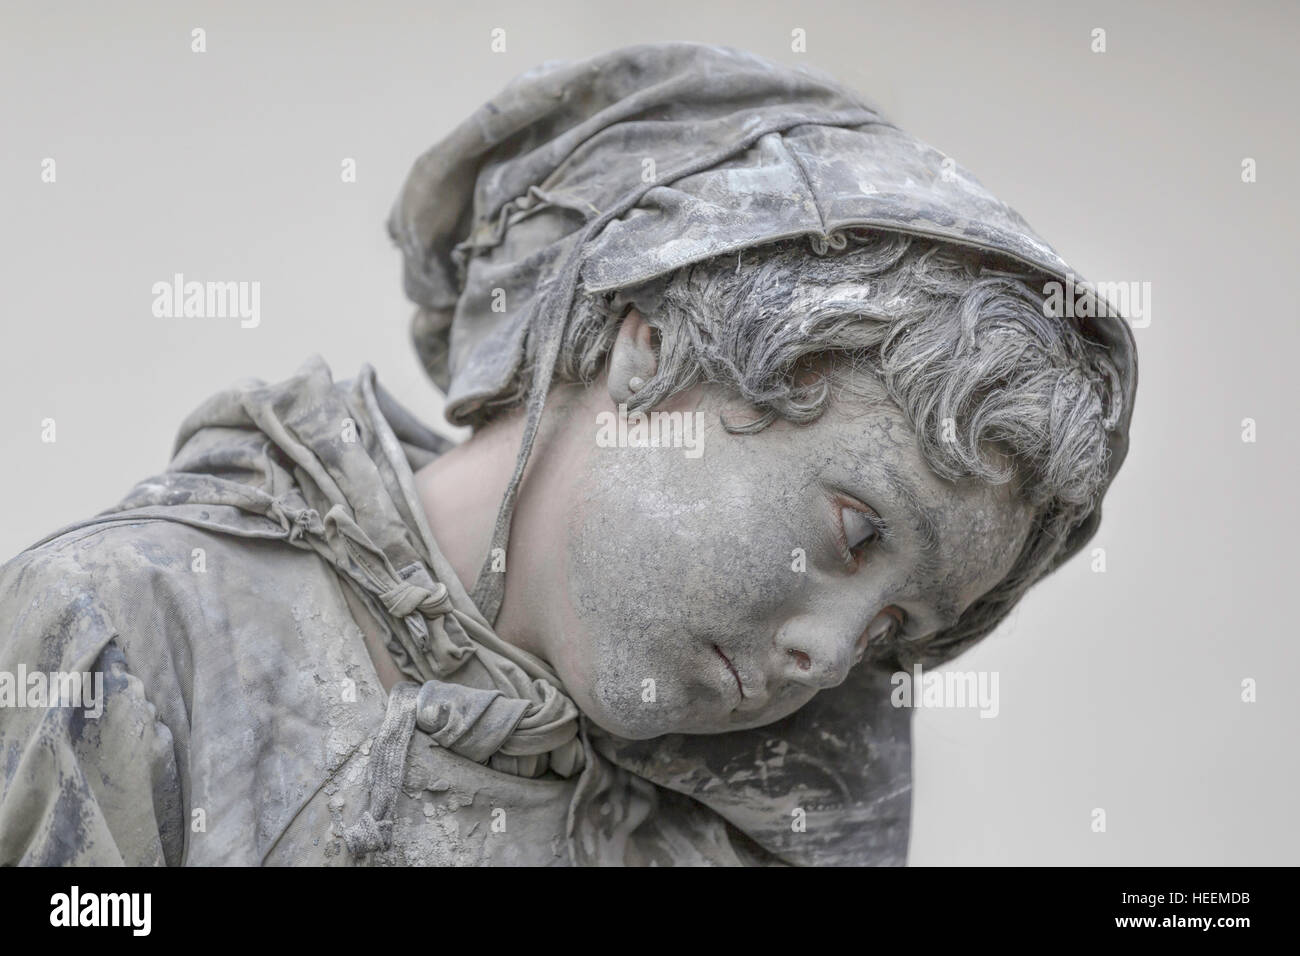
88 773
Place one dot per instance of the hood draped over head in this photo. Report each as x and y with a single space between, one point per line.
617 170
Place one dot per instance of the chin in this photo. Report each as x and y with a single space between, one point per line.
629 730
682 706
640 726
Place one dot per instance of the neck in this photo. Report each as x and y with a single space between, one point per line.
461 492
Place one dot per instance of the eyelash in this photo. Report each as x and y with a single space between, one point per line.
842 538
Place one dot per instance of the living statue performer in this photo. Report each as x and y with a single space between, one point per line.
769 401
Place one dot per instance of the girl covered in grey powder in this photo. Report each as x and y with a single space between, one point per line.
769 402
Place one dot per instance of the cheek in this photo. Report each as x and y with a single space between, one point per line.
991 535
660 543
664 556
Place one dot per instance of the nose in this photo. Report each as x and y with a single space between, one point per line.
821 658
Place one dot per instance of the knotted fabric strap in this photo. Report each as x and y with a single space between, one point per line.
479 697
469 721
405 599
449 648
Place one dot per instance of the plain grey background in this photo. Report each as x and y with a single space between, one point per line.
1119 690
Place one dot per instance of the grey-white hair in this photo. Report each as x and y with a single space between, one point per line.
994 388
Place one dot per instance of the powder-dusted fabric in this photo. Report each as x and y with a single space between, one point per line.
614 171
242 720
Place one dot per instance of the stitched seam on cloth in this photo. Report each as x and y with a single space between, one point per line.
803 174
385 773
307 801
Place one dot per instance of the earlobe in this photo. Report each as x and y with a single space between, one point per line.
633 359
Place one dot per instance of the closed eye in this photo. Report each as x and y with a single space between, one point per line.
858 528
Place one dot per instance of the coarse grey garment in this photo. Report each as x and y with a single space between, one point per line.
242 721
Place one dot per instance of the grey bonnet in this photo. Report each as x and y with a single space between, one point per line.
617 170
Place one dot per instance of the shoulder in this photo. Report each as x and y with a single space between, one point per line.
89 771
166 592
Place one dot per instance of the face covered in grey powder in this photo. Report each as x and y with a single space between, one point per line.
646 575
684 594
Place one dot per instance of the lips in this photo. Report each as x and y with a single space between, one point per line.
740 685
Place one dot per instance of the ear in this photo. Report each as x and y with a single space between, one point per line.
633 359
